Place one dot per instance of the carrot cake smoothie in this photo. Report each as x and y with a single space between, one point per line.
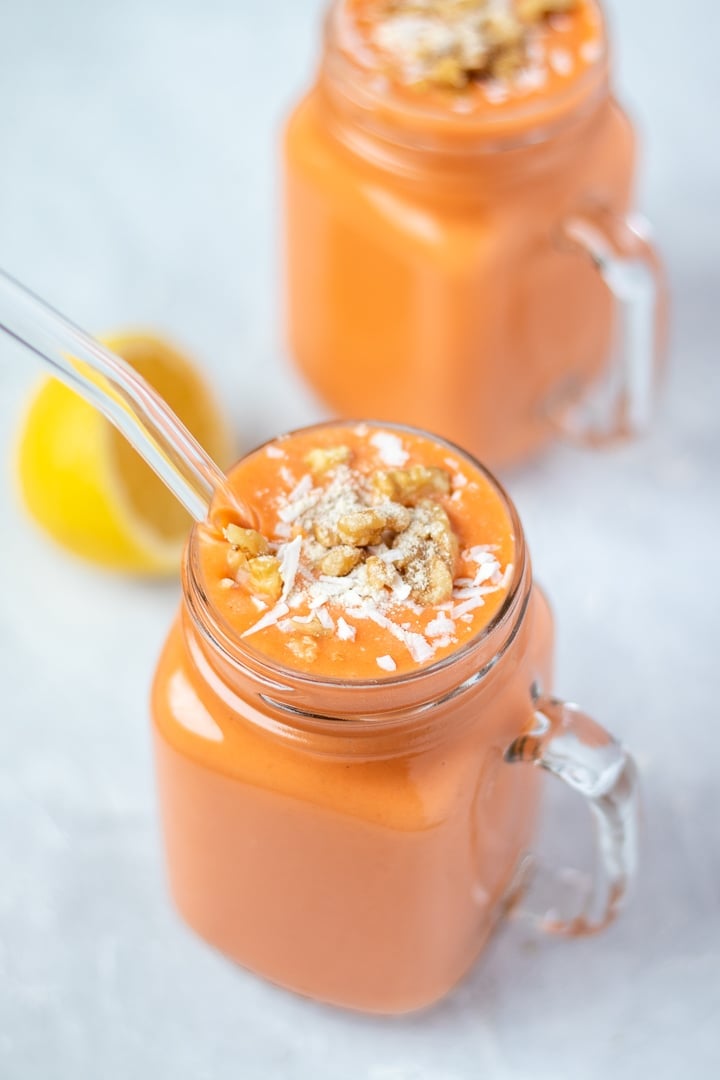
456 180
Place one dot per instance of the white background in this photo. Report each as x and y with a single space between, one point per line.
138 186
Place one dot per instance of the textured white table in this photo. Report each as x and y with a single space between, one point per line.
138 186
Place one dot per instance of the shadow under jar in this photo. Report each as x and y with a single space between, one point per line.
465 259
358 840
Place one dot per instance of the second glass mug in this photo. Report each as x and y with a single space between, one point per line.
480 275
357 842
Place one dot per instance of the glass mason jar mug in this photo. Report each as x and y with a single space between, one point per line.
357 842
468 261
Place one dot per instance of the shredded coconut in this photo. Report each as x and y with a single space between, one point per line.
345 631
325 618
386 663
391 450
467 606
440 626
274 615
289 555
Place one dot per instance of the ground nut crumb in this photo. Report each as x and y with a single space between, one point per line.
325 534
305 648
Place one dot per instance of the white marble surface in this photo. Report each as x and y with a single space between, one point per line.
138 185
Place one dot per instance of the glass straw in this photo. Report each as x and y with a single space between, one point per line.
122 395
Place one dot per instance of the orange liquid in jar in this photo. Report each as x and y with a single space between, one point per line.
426 279
348 828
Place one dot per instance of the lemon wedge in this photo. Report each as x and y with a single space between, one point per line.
89 490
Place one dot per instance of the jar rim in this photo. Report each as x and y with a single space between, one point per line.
242 655
510 125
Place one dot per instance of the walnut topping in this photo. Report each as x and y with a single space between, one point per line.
503 31
322 459
248 541
236 560
449 43
428 551
325 534
531 11
265 577
407 486
379 574
340 560
368 526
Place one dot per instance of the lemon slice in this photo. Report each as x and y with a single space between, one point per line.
89 490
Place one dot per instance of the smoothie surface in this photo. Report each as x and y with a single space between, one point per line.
377 552
471 55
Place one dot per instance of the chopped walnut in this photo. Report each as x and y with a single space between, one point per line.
340 560
236 560
365 527
265 577
325 534
407 486
362 528
428 550
379 574
249 541
322 459
436 584
305 648
448 71
508 63
534 10
503 31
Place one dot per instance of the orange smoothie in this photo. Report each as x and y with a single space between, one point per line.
331 711
431 176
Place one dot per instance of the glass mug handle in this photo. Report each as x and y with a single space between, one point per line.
621 403
569 744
